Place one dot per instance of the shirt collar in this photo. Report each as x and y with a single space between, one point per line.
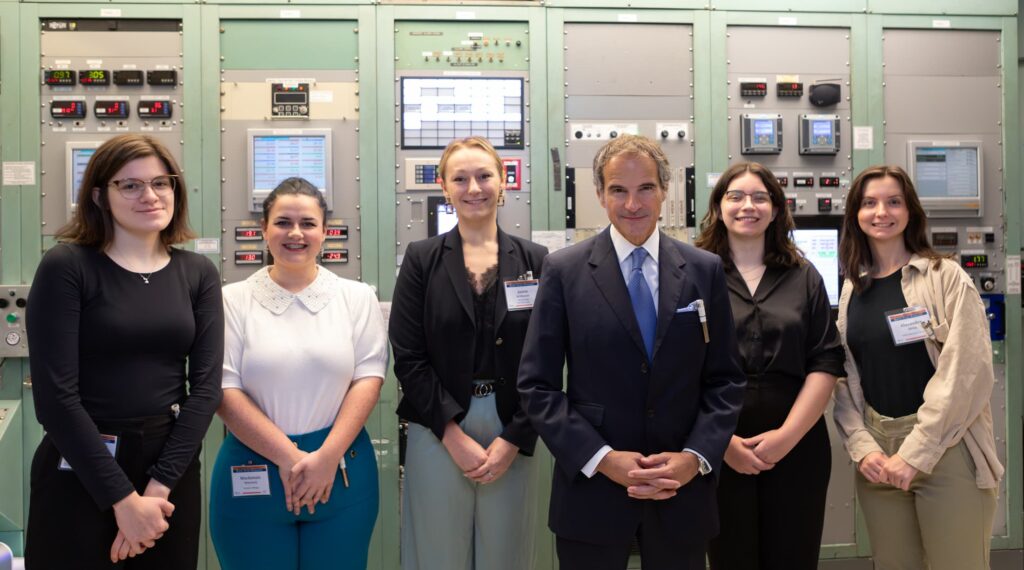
277 299
623 247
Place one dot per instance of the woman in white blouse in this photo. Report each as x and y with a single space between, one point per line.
305 357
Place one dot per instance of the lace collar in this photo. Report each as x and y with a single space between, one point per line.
277 299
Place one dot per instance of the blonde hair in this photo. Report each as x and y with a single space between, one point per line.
469 142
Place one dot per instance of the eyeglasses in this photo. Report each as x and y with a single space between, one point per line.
739 196
132 188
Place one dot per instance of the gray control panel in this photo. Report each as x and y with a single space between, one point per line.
13 339
100 78
789 110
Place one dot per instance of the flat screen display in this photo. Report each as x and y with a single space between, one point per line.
764 131
277 154
821 248
276 157
78 155
947 171
436 110
439 219
821 133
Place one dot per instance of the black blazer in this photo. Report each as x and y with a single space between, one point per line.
433 334
688 396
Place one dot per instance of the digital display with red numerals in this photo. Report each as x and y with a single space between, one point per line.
94 77
337 232
974 260
149 109
55 77
67 109
248 234
789 89
111 109
828 181
335 256
248 258
783 181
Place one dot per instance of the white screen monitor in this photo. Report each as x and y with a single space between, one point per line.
277 154
77 155
947 176
440 219
821 247
436 110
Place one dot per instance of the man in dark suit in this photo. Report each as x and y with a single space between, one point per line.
654 385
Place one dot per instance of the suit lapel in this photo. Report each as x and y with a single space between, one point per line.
510 267
670 285
604 266
455 266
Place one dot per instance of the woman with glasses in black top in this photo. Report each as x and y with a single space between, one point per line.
771 494
126 340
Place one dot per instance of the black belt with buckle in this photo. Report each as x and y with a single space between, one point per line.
483 388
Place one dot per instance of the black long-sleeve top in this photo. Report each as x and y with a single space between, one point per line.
105 345
785 329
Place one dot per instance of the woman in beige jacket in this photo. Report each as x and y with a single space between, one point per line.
914 410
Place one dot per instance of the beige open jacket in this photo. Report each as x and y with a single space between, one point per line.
957 398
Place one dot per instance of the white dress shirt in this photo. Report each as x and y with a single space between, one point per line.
623 250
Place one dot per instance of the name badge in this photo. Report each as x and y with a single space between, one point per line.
520 294
108 440
909 325
250 480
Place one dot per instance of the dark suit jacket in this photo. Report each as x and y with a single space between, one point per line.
433 334
688 397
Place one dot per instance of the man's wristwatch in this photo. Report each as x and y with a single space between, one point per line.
703 467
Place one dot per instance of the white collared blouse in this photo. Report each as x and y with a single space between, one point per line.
296 354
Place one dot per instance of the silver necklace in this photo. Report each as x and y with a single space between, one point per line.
145 276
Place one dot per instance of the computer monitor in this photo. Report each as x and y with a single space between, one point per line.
948 176
818 238
440 218
277 154
436 110
77 155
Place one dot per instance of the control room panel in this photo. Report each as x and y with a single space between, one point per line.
100 78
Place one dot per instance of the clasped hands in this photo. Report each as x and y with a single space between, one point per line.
752 455
307 478
478 464
141 521
654 477
880 468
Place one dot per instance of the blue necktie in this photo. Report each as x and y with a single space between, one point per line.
643 301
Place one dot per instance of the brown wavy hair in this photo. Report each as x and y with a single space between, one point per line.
92 223
779 249
855 257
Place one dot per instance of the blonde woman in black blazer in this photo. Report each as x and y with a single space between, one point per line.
457 346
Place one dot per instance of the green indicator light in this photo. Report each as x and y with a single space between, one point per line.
12 318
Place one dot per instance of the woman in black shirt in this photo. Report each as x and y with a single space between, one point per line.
114 314
771 494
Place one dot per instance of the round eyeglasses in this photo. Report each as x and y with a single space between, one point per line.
132 188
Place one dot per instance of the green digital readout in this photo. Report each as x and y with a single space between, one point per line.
94 77
54 77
